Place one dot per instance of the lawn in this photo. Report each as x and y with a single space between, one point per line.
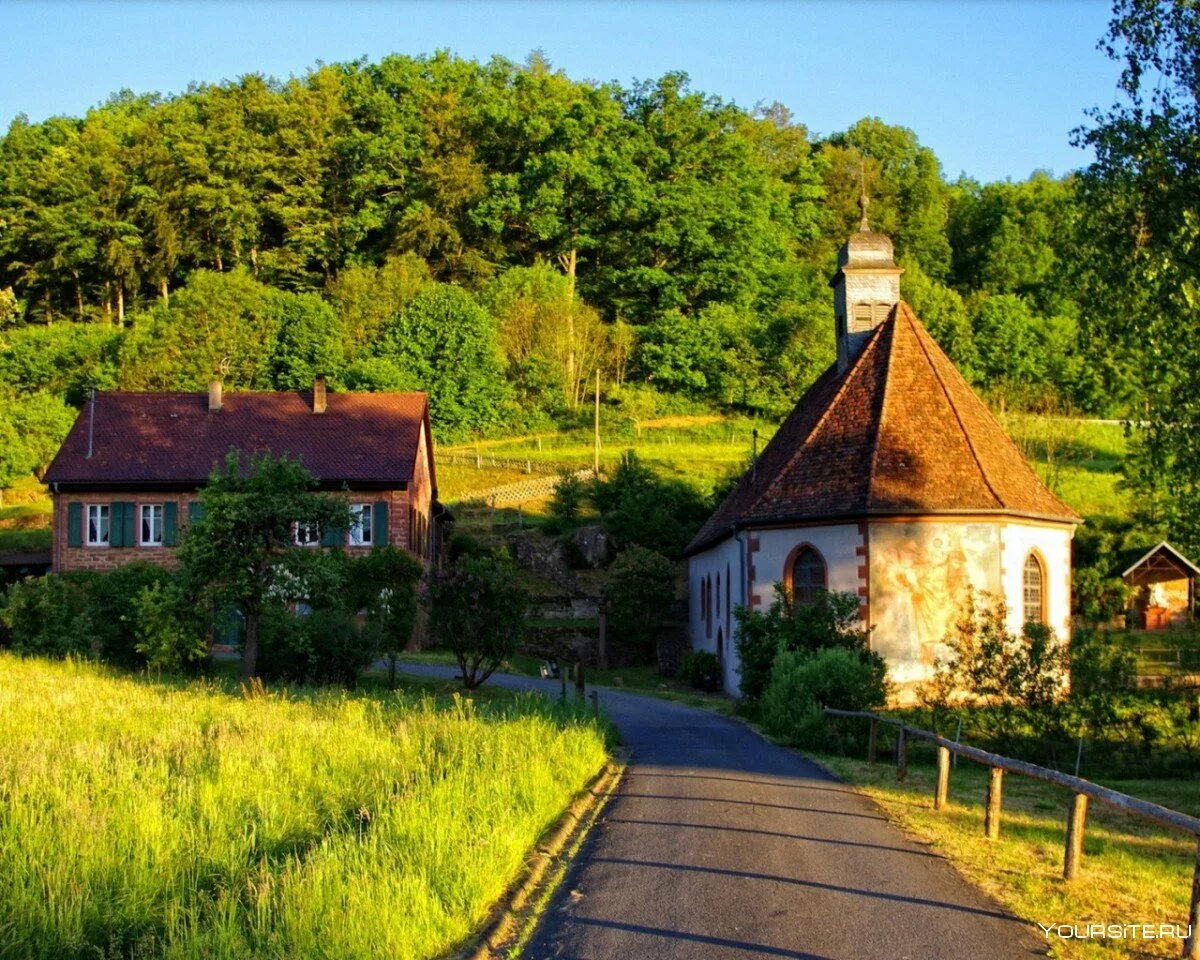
25 518
1133 871
193 820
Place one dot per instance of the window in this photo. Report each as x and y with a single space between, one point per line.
98 524
808 576
308 534
361 529
1033 593
152 524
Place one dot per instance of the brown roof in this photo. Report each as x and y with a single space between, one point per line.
899 432
173 438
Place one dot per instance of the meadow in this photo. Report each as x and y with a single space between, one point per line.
197 819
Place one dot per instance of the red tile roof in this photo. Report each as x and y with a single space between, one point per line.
173 438
899 432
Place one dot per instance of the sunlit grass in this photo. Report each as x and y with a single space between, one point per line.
1133 871
188 820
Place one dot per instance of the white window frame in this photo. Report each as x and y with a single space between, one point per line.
156 524
362 531
103 512
311 531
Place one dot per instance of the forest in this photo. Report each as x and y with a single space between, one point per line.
502 235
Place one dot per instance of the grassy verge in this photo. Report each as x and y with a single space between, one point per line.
1133 871
189 820
25 518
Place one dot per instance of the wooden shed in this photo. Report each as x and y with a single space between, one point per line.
1164 589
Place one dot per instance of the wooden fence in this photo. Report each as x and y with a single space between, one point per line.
1081 791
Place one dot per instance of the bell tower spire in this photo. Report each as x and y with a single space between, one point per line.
864 202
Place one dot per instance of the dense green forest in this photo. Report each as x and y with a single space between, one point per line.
497 233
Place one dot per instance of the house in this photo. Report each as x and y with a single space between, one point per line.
890 481
127 478
1163 583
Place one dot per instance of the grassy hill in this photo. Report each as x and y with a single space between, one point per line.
192 820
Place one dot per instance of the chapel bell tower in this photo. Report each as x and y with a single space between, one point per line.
865 287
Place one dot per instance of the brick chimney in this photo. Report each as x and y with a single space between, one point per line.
214 396
319 395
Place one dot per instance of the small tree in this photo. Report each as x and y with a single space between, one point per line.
384 583
568 499
477 611
237 550
641 586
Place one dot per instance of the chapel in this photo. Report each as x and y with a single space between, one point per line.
890 480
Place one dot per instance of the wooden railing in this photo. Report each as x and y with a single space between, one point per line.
1081 791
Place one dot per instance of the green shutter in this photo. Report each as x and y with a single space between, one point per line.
75 524
124 524
380 520
116 529
195 511
333 537
170 524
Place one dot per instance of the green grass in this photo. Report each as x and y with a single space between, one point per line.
189 820
1133 871
25 518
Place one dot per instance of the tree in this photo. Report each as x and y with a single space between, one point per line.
641 586
1140 226
309 342
477 611
238 550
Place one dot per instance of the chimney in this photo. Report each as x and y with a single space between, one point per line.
319 395
214 396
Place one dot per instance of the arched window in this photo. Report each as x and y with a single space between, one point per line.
1034 590
808 576
718 596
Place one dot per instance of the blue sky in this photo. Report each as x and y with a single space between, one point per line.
994 87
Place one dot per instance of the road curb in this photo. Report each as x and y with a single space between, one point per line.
511 920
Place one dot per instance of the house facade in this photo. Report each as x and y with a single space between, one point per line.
126 482
890 481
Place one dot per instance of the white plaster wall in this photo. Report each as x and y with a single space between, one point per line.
1053 544
723 561
838 546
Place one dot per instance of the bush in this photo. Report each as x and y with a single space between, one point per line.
803 682
326 646
568 500
46 615
111 614
640 587
168 634
638 506
702 670
477 611
834 620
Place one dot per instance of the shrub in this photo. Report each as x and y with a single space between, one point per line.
168 634
638 506
111 613
46 615
477 611
702 670
803 682
640 587
834 620
568 500
326 646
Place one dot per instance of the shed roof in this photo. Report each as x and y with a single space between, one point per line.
1162 547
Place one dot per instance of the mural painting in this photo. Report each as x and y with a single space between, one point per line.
921 574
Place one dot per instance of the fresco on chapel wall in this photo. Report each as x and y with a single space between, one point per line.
920 575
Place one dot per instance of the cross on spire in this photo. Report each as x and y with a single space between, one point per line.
863 200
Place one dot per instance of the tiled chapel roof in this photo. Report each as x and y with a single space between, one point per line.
899 432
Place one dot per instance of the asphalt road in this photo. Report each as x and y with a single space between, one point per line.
719 844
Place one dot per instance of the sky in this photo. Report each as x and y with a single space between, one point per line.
993 86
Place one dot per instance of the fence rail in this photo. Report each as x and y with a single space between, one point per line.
1081 791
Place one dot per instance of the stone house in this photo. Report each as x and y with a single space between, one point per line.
890 481
127 478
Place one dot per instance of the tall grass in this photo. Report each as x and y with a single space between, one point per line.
144 819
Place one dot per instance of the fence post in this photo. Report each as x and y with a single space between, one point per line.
995 789
873 741
902 753
943 778
1192 949
1075 821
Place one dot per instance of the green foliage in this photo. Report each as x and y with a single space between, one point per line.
444 341
64 359
641 585
323 647
47 615
111 616
568 501
477 611
640 507
309 342
169 636
803 682
702 670
242 550
1101 669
